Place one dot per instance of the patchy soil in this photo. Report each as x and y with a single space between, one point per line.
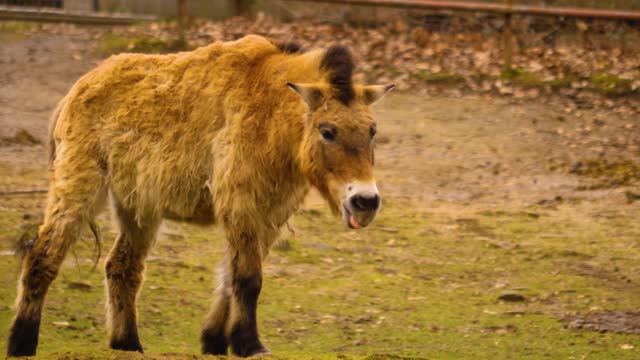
22 137
495 229
625 322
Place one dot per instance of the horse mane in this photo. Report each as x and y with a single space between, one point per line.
338 61
290 48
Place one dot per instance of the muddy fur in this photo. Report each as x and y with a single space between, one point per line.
209 136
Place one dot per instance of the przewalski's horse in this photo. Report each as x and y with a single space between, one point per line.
213 135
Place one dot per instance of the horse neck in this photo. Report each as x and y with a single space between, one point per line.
286 116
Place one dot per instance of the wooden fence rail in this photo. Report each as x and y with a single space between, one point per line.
57 15
496 8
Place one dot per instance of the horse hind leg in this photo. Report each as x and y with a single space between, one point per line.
75 195
124 272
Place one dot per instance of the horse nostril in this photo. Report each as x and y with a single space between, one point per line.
365 203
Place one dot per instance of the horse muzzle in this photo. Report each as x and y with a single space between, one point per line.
361 204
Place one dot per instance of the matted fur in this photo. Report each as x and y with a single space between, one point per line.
212 135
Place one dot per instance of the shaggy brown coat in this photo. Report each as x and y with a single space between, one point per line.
212 135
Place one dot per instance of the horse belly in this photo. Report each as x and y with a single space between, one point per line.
196 209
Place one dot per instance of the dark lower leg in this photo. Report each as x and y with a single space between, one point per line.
23 337
246 286
39 269
124 277
74 195
122 324
244 337
127 340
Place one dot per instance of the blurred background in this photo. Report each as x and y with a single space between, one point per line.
508 160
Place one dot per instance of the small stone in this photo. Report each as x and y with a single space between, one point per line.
79 285
631 196
511 297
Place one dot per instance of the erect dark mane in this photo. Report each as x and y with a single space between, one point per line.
290 48
339 62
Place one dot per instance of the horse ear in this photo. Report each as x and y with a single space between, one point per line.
310 93
373 93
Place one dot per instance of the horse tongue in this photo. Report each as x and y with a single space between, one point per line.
353 222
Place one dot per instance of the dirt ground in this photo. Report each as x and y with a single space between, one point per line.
483 195
431 150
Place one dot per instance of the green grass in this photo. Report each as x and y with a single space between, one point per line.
521 77
16 27
561 83
15 30
610 84
607 84
439 77
415 284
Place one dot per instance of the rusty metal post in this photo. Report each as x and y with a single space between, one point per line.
623 37
183 18
183 12
242 7
507 37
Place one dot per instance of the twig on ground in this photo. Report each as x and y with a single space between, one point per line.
23 192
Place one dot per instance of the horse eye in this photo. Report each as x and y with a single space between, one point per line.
372 131
328 134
